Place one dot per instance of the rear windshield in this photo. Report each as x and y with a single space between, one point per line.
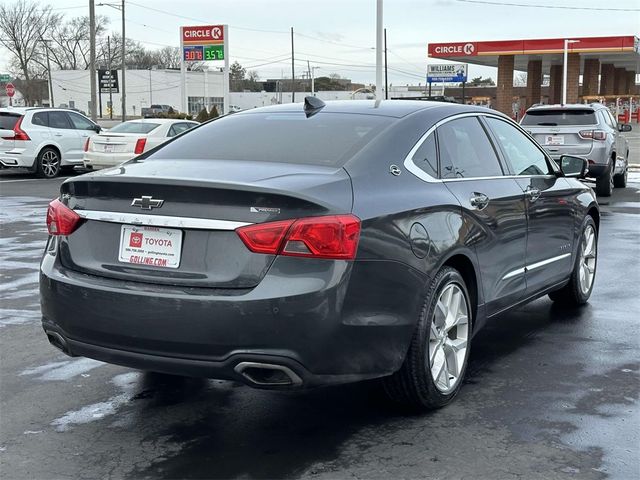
134 127
8 120
554 118
323 139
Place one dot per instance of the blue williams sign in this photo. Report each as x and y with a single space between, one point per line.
447 72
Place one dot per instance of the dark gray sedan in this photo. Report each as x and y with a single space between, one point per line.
310 244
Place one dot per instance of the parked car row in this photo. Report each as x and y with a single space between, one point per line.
48 140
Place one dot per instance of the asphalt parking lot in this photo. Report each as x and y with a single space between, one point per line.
550 394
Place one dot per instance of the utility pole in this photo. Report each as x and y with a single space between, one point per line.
46 46
110 80
92 58
150 90
379 85
293 73
122 92
386 82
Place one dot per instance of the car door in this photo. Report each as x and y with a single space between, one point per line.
66 136
492 202
85 128
549 204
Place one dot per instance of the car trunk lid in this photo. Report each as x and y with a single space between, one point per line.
203 201
116 142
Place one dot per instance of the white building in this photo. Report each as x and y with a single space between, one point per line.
71 88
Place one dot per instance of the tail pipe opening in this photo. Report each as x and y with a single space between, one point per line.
59 342
268 375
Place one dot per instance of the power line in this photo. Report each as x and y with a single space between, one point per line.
554 7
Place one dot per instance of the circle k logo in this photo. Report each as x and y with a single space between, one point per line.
468 49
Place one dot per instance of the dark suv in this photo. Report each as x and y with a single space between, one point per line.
588 131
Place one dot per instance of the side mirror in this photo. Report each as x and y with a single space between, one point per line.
575 167
97 128
624 127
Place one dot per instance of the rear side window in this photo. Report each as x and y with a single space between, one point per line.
525 158
8 120
59 120
41 119
322 139
465 150
177 128
426 158
134 127
553 118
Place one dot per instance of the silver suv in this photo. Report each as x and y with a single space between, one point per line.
588 131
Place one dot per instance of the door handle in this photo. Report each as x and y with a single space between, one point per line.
57 134
479 200
532 193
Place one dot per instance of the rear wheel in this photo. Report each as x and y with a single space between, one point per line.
434 367
579 288
48 163
620 181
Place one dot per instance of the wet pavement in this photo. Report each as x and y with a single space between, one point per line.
550 393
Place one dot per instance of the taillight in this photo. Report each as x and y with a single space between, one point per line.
593 134
18 133
61 220
140 146
86 145
332 237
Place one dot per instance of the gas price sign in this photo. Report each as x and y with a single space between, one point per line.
203 43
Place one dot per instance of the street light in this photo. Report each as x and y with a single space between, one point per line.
564 69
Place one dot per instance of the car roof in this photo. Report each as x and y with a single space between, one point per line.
389 108
568 106
159 120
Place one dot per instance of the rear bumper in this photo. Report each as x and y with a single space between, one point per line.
16 158
330 322
99 160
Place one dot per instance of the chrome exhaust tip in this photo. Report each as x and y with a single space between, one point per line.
267 374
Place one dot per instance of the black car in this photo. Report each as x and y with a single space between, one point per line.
303 245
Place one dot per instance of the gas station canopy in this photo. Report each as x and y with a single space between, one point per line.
622 52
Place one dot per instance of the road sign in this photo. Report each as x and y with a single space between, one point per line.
108 81
447 72
10 89
5 78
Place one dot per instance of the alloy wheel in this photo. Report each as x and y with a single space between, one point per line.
50 163
588 255
448 338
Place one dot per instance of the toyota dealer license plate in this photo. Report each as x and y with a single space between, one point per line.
554 140
151 246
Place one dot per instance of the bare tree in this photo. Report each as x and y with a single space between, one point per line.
252 76
22 25
70 42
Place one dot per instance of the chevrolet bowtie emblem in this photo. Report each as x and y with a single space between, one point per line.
146 202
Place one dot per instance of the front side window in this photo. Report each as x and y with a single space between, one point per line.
81 123
425 157
466 151
521 153
59 120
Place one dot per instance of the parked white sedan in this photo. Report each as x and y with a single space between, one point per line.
129 139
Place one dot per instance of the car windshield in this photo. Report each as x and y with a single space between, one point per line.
8 120
554 118
134 127
322 139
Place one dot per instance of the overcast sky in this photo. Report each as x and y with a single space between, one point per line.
339 36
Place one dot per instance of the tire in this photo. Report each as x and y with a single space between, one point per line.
576 292
48 163
604 183
414 385
620 181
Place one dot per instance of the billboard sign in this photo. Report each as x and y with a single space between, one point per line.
447 72
108 81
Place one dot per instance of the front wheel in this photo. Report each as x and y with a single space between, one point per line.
580 286
434 367
620 181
